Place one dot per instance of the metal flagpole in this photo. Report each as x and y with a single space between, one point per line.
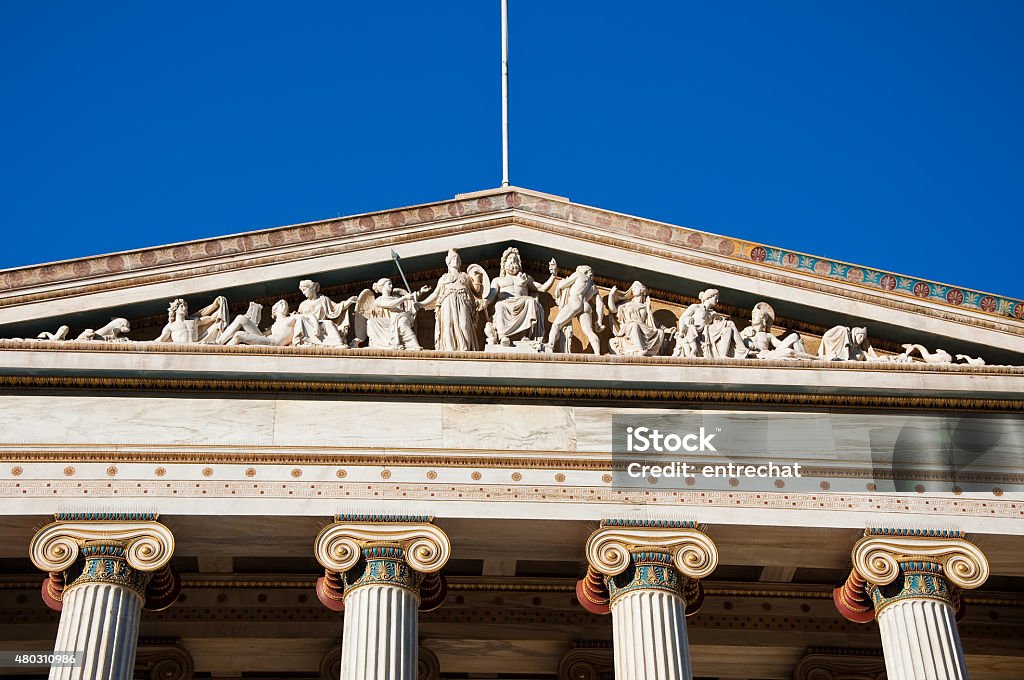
504 93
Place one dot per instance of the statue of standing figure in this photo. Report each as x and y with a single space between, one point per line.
578 297
457 299
205 326
703 332
517 311
634 330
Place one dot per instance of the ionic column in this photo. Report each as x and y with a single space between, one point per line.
910 581
381 571
104 569
647 575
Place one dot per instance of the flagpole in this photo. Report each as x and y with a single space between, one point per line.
504 93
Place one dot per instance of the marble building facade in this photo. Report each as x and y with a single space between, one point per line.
282 455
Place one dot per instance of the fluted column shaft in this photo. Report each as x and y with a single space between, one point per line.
101 622
380 634
381 571
649 629
920 641
647 574
123 562
911 581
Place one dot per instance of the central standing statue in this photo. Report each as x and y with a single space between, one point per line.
457 301
517 311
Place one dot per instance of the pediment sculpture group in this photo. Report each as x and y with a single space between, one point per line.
384 317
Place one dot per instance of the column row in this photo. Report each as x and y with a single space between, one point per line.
381 571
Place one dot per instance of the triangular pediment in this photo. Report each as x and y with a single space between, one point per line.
809 294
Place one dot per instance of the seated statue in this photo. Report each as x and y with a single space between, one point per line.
320 320
704 332
517 311
763 344
842 343
634 331
245 329
578 297
205 326
388 321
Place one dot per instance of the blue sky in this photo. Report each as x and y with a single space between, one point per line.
882 133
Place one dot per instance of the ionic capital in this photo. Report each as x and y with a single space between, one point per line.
892 565
340 545
615 545
148 544
625 556
879 555
382 550
125 549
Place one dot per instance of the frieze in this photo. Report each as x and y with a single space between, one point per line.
383 317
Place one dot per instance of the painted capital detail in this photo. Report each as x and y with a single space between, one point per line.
126 549
382 550
891 565
626 556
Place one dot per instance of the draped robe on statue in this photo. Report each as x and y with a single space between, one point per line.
518 312
635 331
312 317
455 314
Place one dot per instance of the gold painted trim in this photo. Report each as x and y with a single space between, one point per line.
516 392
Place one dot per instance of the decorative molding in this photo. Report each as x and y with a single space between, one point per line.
91 347
635 395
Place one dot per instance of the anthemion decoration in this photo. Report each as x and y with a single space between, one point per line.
391 447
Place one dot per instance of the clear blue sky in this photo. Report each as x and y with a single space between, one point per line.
883 133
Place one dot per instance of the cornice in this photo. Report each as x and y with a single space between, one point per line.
740 257
90 347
